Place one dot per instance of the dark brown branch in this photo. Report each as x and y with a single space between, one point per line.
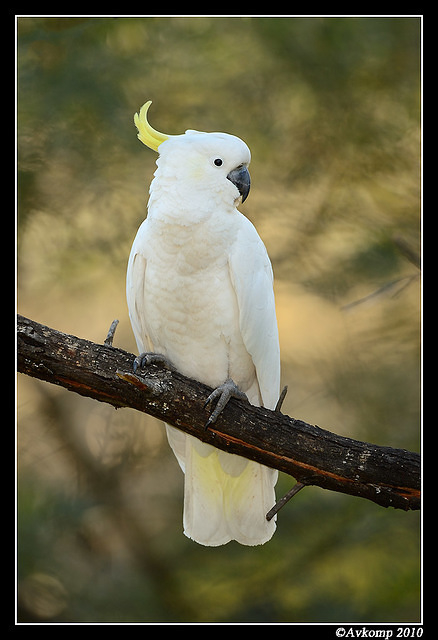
280 504
314 456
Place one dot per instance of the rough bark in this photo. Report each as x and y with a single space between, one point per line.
314 456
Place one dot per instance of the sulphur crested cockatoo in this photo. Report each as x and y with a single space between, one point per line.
200 293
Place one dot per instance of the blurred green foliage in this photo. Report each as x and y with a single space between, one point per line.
330 108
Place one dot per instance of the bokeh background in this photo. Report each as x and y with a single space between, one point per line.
330 108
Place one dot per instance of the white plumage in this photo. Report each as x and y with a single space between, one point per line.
199 291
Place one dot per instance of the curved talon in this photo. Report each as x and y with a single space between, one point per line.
147 358
224 392
138 362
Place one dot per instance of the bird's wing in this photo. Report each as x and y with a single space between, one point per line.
237 493
252 279
136 299
135 290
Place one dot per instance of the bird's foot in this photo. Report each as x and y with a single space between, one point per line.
147 358
224 393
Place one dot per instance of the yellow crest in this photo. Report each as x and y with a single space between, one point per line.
147 134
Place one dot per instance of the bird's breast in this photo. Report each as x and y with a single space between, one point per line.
191 308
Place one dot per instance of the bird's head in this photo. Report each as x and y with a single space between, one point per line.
213 163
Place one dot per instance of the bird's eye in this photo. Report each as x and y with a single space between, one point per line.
218 162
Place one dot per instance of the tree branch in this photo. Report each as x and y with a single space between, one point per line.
314 456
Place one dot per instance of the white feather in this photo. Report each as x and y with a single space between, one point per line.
199 291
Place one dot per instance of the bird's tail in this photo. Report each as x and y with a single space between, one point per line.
226 497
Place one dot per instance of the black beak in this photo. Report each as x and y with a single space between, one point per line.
240 177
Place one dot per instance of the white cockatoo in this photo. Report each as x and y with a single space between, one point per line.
200 293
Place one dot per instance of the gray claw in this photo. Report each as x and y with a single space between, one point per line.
224 392
147 358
